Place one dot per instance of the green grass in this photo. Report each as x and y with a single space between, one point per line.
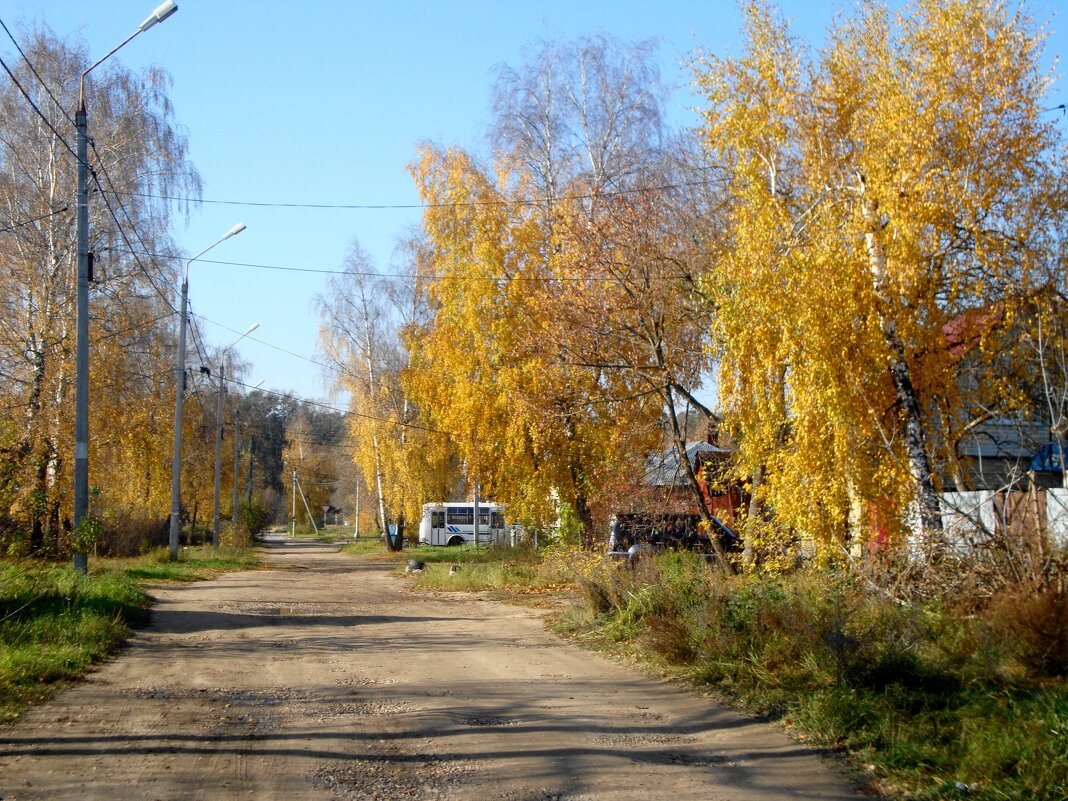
193 564
431 554
466 568
55 624
518 572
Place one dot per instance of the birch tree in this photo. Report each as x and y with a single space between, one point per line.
899 184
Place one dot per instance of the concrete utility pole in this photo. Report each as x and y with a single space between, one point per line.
477 488
356 526
218 450
293 516
81 352
179 399
237 456
248 478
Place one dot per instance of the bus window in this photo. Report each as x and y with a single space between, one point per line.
483 519
497 521
461 516
437 520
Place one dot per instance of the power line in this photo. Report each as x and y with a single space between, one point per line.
140 264
400 276
424 206
269 344
324 365
33 105
133 228
280 349
37 75
104 193
345 412
31 221
138 327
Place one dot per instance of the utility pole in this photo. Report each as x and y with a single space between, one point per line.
219 430
251 451
179 399
218 450
233 509
81 358
477 488
293 517
81 345
356 527
176 455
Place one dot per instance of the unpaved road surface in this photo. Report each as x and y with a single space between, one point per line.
326 679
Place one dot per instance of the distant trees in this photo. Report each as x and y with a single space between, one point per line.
399 457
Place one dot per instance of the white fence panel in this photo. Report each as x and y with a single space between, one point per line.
967 517
1057 515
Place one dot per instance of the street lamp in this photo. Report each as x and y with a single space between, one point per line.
218 432
81 358
179 399
233 508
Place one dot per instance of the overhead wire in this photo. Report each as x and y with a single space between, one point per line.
424 206
137 327
104 194
33 105
397 276
103 167
280 349
345 412
36 74
32 220
194 331
468 204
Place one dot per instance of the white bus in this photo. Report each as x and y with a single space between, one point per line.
454 524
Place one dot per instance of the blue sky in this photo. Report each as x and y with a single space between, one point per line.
324 102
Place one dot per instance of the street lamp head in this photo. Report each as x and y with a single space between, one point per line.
232 232
161 13
251 328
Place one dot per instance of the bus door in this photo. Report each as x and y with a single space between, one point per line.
437 527
485 534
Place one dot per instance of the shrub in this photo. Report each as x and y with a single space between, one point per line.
127 532
1034 622
255 517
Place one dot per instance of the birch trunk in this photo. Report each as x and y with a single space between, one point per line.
927 525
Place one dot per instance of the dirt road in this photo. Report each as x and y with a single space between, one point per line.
325 679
